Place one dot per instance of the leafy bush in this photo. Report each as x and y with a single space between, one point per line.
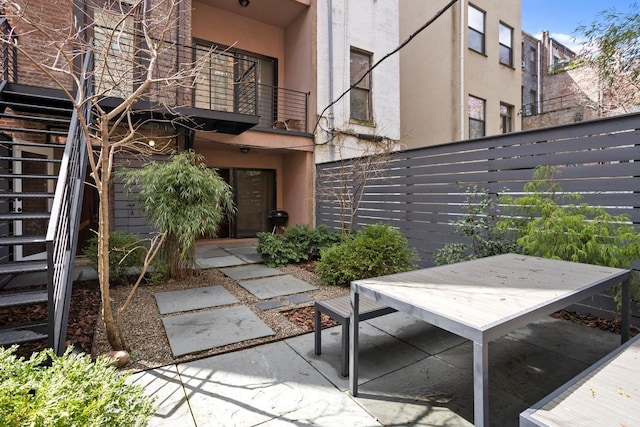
125 252
72 391
299 243
547 224
375 250
478 225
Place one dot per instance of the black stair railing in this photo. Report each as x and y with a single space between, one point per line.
8 52
62 233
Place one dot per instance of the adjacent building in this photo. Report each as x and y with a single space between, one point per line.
460 77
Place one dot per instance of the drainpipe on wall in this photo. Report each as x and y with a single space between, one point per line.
539 75
463 8
330 100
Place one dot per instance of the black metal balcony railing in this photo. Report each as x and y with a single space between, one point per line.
213 79
550 105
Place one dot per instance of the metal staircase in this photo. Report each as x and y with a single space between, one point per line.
29 160
42 149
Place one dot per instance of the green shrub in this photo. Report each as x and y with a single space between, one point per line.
125 252
375 250
297 244
73 391
547 224
479 226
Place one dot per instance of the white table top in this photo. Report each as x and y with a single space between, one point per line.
485 298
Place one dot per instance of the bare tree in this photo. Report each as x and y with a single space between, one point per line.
134 46
344 183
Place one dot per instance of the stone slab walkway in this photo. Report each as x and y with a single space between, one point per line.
270 287
193 299
203 330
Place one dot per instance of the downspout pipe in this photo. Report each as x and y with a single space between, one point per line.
461 82
330 89
539 79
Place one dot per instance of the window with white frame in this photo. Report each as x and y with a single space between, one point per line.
476 109
476 19
361 93
506 43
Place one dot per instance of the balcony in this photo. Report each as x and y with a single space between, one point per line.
223 96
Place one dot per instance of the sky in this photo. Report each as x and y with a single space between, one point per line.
562 17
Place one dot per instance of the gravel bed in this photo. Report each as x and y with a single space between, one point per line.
145 332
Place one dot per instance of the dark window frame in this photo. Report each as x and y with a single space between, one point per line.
503 47
482 121
363 87
474 33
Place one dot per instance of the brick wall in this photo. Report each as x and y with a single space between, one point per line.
54 19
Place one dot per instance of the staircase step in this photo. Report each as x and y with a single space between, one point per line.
23 333
24 195
21 216
41 119
36 131
21 240
25 176
36 108
30 144
31 159
23 267
12 299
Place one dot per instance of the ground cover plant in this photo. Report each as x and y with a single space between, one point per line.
374 250
125 252
296 244
70 390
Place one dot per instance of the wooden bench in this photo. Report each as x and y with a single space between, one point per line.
339 309
607 393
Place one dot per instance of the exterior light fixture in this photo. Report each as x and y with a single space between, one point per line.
244 150
244 3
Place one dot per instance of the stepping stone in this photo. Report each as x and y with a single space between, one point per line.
219 262
268 305
298 298
211 252
193 299
244 272
276 286
193 332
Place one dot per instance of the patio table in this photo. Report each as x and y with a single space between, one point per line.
484 299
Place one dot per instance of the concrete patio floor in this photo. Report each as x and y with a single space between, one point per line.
410 373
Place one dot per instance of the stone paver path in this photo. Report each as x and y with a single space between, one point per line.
193 299
192 332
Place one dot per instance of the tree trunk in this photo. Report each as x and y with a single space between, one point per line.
115 339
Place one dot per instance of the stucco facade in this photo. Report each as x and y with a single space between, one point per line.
439 71
372 28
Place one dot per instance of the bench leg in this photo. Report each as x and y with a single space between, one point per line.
344 369
317 332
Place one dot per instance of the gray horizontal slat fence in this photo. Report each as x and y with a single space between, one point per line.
127 210
421 191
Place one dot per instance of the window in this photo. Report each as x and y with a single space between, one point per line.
506 41
476 117
476 29
115 38
361 93
506 118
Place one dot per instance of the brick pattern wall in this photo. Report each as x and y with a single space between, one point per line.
54 20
